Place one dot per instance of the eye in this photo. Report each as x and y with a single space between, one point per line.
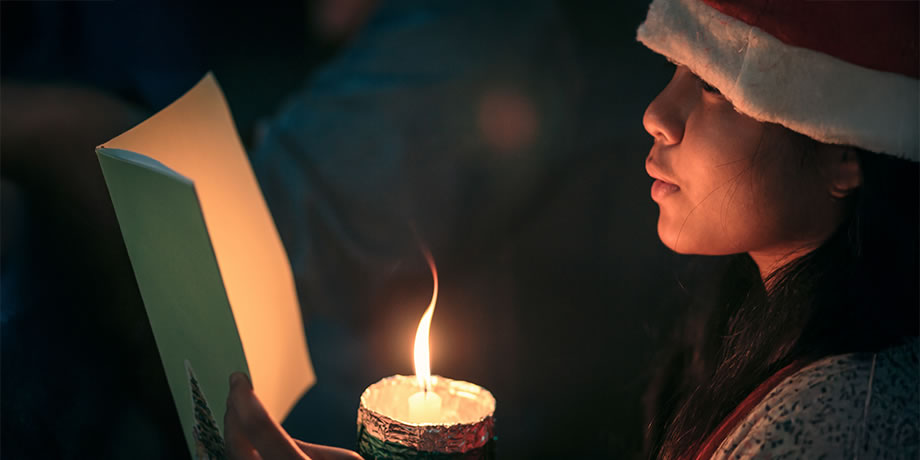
709 88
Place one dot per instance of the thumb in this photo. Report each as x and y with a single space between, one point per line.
318 452
249 416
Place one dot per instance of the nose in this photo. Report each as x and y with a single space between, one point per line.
666 117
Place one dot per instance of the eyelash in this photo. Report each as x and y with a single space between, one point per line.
709 88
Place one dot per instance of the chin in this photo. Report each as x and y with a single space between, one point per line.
683 250
688 245
667 236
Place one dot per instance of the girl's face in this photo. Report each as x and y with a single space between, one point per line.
726 183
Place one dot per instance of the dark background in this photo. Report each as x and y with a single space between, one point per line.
559 314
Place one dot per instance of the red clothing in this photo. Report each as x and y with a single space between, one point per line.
708 448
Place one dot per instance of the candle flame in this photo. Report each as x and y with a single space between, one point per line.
422 361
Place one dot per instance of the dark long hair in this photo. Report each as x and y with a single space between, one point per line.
857 292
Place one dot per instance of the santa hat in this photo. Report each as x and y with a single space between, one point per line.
840 72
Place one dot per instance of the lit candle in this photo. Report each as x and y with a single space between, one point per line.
424 413
425 405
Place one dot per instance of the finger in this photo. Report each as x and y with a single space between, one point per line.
238 446
318 452
265 435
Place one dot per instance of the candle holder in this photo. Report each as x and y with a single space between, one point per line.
465 428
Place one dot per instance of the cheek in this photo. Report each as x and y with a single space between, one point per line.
719 210
790 197
723 215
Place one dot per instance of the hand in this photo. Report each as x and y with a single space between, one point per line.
251 434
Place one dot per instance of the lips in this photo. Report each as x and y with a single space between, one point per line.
661 189
662 186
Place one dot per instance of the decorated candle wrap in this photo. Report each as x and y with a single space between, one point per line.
464 427
425 416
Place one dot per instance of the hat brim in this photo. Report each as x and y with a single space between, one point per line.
815 94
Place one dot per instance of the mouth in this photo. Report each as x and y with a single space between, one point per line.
662 189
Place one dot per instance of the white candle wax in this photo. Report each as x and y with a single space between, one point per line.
425 407
466 419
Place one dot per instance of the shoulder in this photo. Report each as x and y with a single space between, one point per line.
864 406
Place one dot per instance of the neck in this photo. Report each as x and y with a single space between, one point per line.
770 261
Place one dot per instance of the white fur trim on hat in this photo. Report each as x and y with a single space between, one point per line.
825 98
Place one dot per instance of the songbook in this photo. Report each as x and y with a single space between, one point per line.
212 271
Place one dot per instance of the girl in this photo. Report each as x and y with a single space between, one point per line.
788 136
764 144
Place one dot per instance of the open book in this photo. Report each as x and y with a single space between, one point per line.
214 277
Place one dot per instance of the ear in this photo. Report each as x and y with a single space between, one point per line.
843 171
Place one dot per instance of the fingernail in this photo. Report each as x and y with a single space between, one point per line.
239 378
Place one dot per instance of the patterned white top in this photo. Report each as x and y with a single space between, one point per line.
852 406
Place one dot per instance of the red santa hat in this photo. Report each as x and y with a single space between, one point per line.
840 72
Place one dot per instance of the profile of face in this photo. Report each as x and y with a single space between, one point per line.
726 183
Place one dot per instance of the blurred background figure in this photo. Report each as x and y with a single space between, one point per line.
505 135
